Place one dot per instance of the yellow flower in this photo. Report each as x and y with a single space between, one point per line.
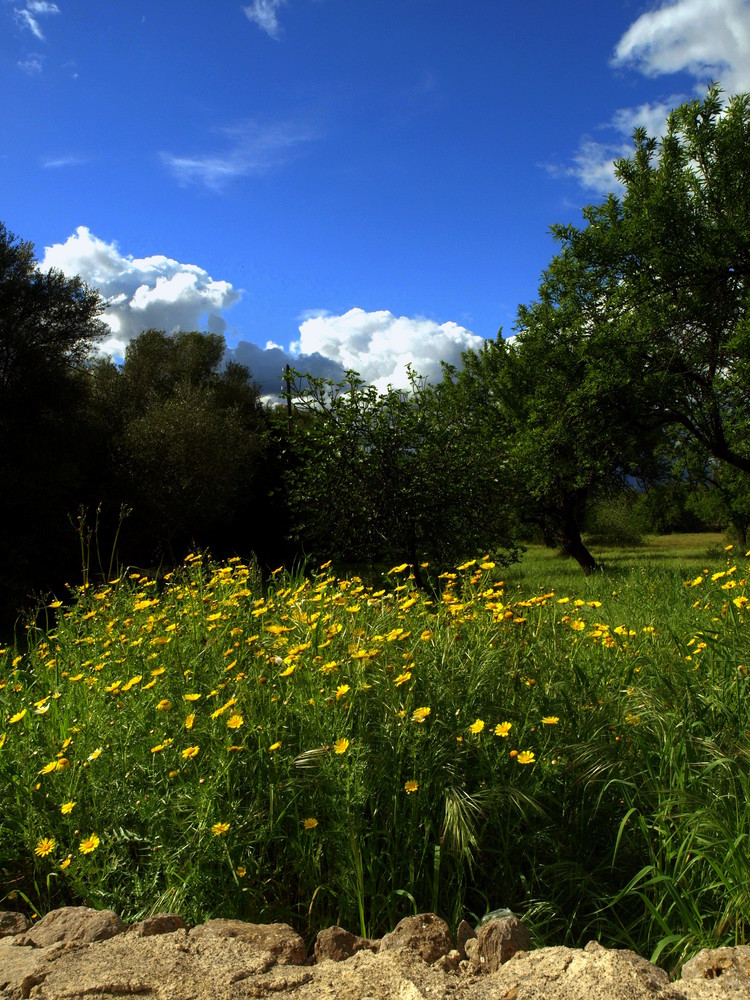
49 768
241 871
191 697
289 671
219 829
398 569
420 714
18 716
341 690
64 864
410 787
275 746
310 823
164 705
426 635
191 752
550 720
190 720
89 844
235 721
503 728
341 745
67 807
403 678
526 757
94 754
45 846
476 727
62 764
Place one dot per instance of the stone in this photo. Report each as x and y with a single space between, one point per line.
727 963
464 932
73 925
159 923
13 923
498 941
337 944
279 941
427 935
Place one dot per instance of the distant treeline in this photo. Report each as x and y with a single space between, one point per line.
621 405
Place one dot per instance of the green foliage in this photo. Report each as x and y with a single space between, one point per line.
48 327
662 275
383 476
187 443
323 751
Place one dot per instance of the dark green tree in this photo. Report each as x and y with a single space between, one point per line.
390 476
188 447
49 326
663 273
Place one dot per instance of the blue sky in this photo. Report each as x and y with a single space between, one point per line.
354 183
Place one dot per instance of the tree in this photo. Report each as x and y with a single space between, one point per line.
556 419
663 274
188 449
390 476
49 326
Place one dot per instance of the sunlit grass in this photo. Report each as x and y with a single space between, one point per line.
324 751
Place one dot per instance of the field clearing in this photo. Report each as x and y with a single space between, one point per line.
322 751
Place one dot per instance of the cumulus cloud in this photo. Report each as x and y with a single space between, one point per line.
380 345
250 149
28 16
710 41
142 292
377 344
263 13
267 365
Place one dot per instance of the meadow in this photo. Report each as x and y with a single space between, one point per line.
321 750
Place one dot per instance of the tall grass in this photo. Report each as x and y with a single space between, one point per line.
322 751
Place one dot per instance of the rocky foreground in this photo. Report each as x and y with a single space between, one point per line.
80 952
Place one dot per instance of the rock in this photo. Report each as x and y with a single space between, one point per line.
499 940
12 923
281 943
73 925
336 944
429 936
592 973
232 960
731 964
464 932
159 923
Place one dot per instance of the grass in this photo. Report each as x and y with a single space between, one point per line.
322 751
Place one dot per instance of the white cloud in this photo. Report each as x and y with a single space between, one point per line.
253 149
143 292
28 16
54 163
263 13
32 63
379 345
707 40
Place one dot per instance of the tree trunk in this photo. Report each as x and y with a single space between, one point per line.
572 543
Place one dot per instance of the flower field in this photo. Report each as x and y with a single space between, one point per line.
321 750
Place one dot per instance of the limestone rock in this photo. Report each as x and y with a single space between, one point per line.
499 940
592 973
12 923
464 932
731 964
337 944
73 925
426 934
283 944
159 923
